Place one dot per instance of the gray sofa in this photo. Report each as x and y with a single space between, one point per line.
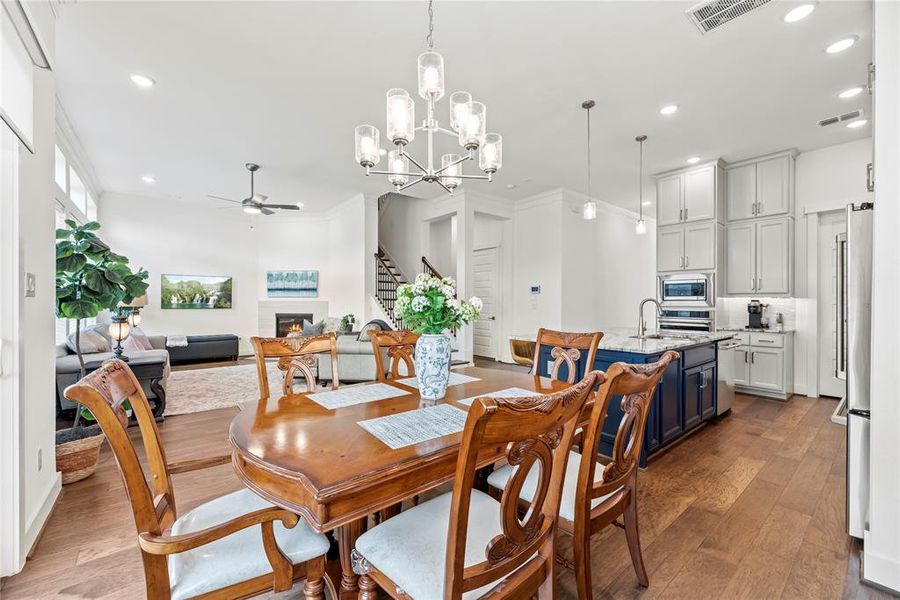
356 358
68 369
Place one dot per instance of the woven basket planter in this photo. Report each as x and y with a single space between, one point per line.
77 459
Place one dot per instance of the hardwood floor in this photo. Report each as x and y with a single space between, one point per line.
751 506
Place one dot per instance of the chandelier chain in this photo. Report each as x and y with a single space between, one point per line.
429 39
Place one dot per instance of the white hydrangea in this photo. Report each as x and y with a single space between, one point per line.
453 303
476 303
419 303
448 291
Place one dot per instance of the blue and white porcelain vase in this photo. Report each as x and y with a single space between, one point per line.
432 362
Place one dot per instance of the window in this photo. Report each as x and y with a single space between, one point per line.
61 170
77 191
91 212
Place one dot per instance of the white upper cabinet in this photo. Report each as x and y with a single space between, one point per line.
700 246
670 248
700 194
773 256
740 258
760 187
773 185
741 192
690 195
758 257
669 200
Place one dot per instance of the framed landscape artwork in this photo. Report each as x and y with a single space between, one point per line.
195 291
292 284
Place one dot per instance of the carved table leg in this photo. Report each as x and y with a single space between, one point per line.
160 407
347 536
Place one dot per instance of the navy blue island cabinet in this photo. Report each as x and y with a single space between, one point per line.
684 400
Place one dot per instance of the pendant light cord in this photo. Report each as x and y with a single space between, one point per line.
588 109
640 140
429 39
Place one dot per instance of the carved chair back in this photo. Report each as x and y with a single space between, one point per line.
636 385
296 356
566 350
104 392
531 429
400 348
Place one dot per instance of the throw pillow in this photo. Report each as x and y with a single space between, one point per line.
367 328
132 344
313 329
331 324
91 343
137 334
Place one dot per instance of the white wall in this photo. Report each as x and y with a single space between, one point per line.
882 542
400 232
827 179
538 262
442 245
180 238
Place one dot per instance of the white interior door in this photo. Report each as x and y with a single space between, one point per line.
485 269
830 225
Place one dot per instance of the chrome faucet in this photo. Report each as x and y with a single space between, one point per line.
642 325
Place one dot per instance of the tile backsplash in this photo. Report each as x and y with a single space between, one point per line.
732 312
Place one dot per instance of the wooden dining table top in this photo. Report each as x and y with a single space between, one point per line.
323 465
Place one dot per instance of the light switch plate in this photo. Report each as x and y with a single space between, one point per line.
30 285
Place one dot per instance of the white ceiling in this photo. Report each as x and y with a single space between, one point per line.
283 84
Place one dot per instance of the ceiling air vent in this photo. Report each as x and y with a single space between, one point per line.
712 15
854 114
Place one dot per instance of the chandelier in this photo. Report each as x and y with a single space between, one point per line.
467 124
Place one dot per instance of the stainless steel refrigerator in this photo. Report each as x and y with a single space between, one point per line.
853 350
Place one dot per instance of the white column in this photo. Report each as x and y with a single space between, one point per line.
882 540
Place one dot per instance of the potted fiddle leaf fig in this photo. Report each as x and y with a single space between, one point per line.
90 278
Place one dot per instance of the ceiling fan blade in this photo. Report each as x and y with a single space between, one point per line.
283 206
221 198
266 211
260 198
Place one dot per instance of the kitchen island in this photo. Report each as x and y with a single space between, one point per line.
687 394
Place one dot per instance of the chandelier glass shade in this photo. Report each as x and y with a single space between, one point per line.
468 125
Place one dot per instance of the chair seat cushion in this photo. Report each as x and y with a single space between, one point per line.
239 556
499 478
411 548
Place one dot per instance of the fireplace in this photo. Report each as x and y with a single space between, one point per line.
286 323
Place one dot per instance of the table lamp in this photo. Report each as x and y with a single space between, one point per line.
134 310
119 330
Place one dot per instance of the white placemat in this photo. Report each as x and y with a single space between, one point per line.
455 379
414 426
512 392
348 396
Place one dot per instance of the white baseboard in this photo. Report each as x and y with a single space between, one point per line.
40 519
882 571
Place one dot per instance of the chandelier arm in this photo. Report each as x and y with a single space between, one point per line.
441 183
482 177
412 160
453 164
396 173
410 184
446 131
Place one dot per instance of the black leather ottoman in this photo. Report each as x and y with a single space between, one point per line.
205 348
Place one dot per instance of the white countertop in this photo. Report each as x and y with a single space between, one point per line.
619 339
745 330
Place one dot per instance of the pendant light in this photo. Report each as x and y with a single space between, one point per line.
589 210
641 227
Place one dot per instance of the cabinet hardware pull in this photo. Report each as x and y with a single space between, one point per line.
758 283
680 261
753 357
753 209
759 208
685 214
745 356
766 341
680 215
686 261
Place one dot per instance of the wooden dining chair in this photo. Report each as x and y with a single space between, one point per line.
235 546
399 347
569 353
594 497
296 356
465 543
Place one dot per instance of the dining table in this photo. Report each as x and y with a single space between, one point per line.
302 453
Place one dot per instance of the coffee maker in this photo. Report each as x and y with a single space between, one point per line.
757 313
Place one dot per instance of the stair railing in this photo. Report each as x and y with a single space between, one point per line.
429 269
386 284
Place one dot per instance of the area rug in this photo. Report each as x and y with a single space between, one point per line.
197 390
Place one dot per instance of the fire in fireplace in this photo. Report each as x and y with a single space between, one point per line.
286 323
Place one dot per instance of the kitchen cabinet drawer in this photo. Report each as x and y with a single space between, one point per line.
697 356
767 340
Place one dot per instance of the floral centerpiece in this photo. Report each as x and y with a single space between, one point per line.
429 307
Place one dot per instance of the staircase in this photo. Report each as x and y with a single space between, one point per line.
387 279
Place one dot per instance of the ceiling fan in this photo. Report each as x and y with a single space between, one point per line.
255 203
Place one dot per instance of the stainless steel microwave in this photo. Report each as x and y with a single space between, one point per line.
683 289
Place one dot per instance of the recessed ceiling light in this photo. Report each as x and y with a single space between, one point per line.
693 160
646 203
842 44
300 205
856 124
854 91
668 109
800 12
148 179
142 80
